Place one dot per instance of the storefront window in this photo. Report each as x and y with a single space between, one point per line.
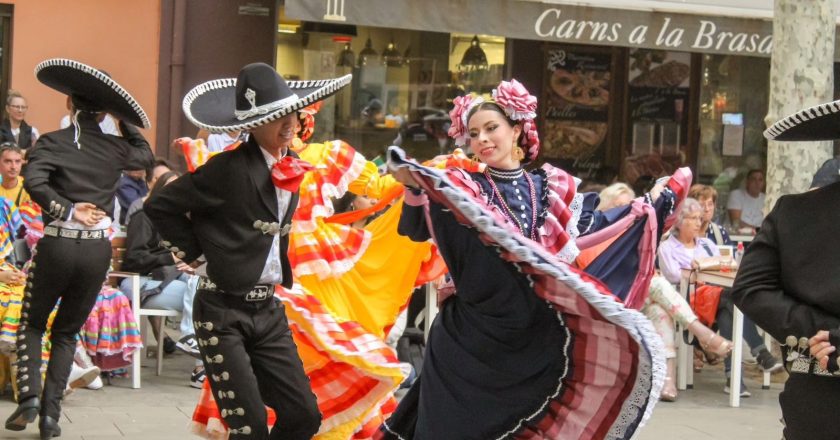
733 103
576 110
657 111
403 83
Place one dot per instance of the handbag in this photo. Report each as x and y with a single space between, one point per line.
704 301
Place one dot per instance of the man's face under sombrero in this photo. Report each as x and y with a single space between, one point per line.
278 134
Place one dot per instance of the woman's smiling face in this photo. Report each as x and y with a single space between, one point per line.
492 138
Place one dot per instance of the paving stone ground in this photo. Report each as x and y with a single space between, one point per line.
161 409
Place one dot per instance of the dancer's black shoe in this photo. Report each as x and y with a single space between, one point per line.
24 414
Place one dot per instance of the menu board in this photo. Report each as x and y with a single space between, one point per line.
658 95
576 99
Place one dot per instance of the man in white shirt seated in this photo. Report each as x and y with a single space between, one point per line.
746 206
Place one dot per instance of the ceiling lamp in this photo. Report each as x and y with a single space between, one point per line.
367 54
407 55
346 58
391 57
474 57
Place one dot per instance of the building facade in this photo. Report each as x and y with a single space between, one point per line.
630 90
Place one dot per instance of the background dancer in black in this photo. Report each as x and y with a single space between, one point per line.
240 206
73 174
786 284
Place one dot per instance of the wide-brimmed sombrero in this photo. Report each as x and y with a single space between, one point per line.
817 123
256 97
92 87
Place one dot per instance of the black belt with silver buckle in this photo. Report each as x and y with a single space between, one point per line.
809 365
75 234
259 293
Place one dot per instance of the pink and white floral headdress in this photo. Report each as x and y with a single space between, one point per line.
514 100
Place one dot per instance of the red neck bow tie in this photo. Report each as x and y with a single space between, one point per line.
288 172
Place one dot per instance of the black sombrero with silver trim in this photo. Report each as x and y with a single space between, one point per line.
817 123
93 87
259 95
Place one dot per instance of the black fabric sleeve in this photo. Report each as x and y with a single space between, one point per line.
140 157
168 209
413 221
759 293
40 164
142 251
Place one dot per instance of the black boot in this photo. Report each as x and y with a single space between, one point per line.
25 413
49 428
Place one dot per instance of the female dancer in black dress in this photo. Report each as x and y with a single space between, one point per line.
528 347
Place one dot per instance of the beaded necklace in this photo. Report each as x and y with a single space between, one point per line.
507 211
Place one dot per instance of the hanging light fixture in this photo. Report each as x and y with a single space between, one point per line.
366 54
407 55
474 57
391 57
346 58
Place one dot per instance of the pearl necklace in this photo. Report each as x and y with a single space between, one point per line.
508 212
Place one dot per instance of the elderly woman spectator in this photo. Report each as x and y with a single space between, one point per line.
707 196
14 128
687 244
665 305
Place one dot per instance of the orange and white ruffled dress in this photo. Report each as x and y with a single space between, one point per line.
351 286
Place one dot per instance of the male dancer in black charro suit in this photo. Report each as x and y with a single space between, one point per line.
236 211
788 284
73 175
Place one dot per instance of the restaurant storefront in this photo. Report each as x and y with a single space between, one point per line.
630 92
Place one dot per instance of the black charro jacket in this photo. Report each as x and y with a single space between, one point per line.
213 212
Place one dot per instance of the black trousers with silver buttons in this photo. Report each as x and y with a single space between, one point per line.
252 362
809 407
74 271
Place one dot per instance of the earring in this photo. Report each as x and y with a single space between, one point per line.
517 153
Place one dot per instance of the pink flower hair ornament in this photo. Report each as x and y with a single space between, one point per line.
513 98
458 129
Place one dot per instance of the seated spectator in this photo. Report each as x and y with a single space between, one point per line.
746 206
664 306
160 167
14 128
687 244
373 114
707 196
617 194
132 186
166 282
11 162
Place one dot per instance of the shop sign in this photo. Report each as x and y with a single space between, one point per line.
552 22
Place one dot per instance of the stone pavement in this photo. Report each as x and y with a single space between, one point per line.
161 409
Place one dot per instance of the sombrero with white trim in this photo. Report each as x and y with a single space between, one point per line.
817 123
259 95
91 89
